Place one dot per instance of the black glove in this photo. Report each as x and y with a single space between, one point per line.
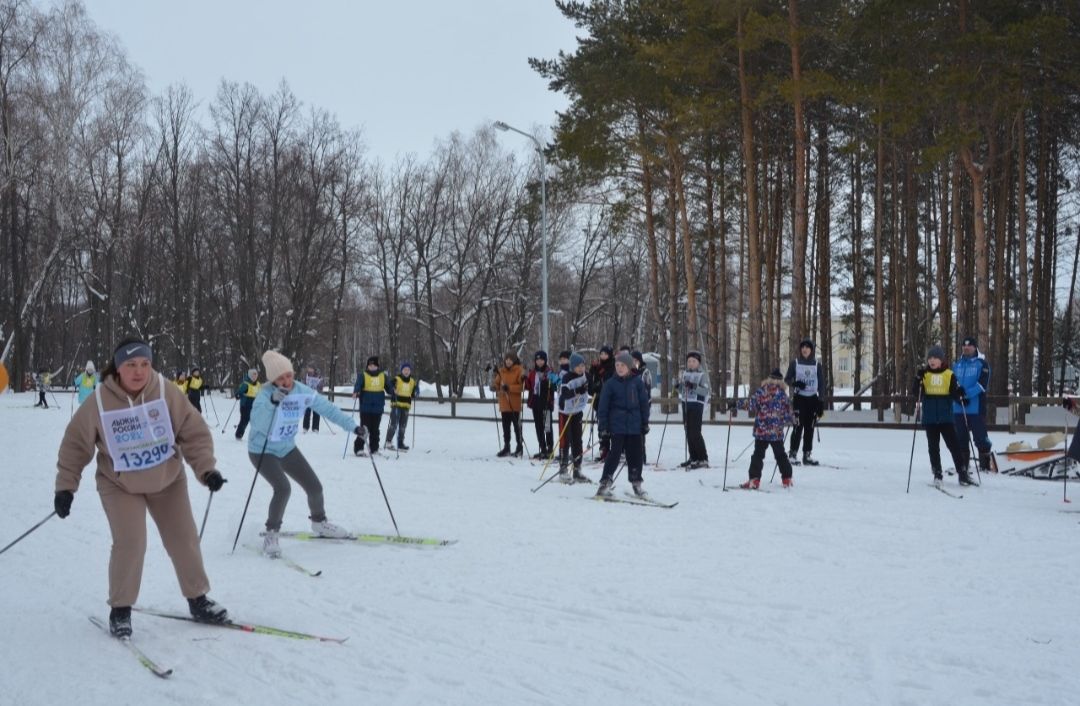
62 502
506 388
963 399
800 385
214 481
732 406
278 395
361 432
645 428
1067 403
604 434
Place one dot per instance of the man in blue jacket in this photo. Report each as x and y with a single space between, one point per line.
973 375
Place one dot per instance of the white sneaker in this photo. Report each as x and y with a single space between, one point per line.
328 529
270 544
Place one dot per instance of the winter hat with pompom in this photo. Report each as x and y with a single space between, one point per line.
276 365
90 369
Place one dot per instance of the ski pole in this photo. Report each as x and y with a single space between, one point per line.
727 446
226 424
1065 486
205 515
217 419
914 434
558 444
550 478
385 499
347 436
254 478
667 419
971 444
20 537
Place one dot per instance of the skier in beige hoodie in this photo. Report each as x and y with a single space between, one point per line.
143 429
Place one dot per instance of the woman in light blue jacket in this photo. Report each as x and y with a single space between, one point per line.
86 381
276 416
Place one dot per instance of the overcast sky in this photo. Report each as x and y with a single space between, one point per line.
406 71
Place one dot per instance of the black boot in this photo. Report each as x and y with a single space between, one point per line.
120 622
518 451
207 611
505 451
358 445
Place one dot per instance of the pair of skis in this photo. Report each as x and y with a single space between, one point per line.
631 499
160 671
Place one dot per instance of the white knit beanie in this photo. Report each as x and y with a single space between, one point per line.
90 367
276 365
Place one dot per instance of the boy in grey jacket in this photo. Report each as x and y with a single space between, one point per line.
694 391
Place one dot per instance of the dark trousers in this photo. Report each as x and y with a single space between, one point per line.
695 442
806 409
399 419
631 444
371 422
570 433
544 438
934 434
311 419
757 461
511 419
973 426
245 417
195 398
41 399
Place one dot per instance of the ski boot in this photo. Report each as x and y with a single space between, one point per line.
505 451
807 461
324 528
205 610
580 477
518 452
639 491
788 482
271 548
120 622
604 491
752 484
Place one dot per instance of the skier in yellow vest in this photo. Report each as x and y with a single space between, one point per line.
246 392
195 389
370 388
403 390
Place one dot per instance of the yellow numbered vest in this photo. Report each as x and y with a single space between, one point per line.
404 392
195 383
374 383
937 383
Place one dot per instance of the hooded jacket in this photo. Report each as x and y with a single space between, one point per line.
771 408
973 375
808 370
84 436
512 377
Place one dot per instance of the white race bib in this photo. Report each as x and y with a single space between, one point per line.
290 413
140 437
808 374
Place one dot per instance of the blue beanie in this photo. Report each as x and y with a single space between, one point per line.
576 359
405 364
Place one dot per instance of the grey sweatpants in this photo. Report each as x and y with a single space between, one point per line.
277 472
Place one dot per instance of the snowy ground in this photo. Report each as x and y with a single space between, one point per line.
844 590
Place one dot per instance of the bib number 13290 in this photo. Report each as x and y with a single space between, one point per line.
147 457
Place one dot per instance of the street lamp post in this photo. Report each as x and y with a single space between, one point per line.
500 125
